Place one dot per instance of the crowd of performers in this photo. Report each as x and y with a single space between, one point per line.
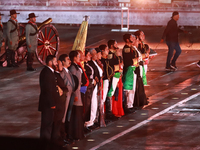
95 87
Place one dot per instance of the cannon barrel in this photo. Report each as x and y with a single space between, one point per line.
22 38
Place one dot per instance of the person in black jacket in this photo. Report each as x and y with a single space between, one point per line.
171 34
49 94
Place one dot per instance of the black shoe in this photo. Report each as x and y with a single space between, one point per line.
169 69
152 52
31 69
93 127
111 117
87 130
129 110
174 67
198 64
15 65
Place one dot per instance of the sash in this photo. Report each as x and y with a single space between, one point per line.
128 78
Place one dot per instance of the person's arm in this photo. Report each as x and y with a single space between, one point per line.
28 43
166 31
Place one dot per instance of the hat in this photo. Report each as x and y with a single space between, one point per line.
1 14
31 15
175 13
12 12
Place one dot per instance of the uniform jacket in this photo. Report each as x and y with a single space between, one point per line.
31 37
96 71
75 70
12 34
48 90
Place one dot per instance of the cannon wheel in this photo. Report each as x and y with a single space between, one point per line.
21 53
48 43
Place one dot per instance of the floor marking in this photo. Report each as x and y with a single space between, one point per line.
144 122
29 131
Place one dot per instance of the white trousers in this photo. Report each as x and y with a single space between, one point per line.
131 93
105 89
94 105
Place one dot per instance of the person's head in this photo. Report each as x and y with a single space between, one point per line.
104 49
98 53
129 38
51 61
82 56
1 15
13 14
140 34
32 17
137 41
74 56
64 59
87 55
112 44
93 53
175 15
59 66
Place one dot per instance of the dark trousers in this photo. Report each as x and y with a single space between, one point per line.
29 61
47 117
171 47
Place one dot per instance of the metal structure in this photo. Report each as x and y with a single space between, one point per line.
48 43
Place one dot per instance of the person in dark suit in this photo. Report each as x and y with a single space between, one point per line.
60 106
49 94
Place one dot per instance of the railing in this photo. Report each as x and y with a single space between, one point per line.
100 3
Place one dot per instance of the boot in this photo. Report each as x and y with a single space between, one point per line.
109 114
13 59
29 61
8 58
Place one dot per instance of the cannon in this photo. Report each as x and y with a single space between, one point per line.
48 43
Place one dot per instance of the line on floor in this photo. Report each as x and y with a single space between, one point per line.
144 122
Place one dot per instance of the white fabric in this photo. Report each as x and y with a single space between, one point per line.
114 84
145 68
105 89
131 93
94 104
50 68
66 69
100 70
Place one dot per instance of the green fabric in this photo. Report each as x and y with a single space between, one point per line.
116 75
129 78
144 78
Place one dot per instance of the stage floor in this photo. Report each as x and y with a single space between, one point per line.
170 121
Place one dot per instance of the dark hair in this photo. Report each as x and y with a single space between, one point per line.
79 51
97 49
146 47
126 36
111 42
102 47
137 34
62 57
49 58
87 51
73 54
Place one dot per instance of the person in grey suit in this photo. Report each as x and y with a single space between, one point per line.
1 33
12 38
76 124
69 83
31 40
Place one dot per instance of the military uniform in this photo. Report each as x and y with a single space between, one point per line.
31 39
1 33
12 39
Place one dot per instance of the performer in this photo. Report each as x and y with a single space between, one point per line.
92 82
114 63
171 34
12 38
31 40
1 33
94 102
76 123
48 96
129 79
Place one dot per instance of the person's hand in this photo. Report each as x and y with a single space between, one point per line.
10 42
161 41
54 107
3 43
94 82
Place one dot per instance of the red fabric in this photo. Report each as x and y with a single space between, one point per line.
117 107
32 23
87 83
14 19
